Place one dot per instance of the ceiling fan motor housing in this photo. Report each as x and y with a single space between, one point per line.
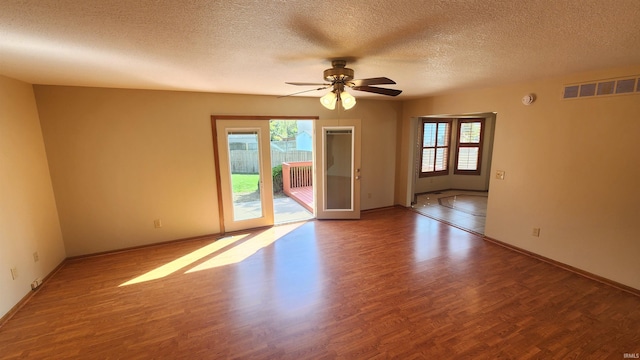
339 77
338 72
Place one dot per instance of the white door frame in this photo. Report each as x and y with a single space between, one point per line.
222 215
320 129
261 128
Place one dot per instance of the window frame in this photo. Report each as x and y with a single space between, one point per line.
449 123
479 145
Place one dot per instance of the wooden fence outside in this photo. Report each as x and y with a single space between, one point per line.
246 161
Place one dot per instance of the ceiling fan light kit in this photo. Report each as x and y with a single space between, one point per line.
328 100
338 95
348 101
340 76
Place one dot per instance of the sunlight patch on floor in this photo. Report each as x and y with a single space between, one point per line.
184 261
241 252
233 255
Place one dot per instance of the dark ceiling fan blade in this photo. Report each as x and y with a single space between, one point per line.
303 91
372 81
377 90
307 84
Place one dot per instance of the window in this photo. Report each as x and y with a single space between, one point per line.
243 146
469 147
436 136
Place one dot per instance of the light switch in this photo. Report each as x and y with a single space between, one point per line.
500 174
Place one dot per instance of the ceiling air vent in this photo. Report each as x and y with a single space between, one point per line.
607 87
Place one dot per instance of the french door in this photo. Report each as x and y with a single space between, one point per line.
245 173
336 171
337 164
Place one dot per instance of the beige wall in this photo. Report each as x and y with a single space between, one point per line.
122 158
571 170
28 216
119 159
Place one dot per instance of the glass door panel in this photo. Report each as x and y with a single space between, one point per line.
337 159
338 172
245 175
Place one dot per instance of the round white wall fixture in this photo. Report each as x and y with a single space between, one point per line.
528 99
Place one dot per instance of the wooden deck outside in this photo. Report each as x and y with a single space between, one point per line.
297 179
304 196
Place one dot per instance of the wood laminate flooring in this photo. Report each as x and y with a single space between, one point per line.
393 285
461 208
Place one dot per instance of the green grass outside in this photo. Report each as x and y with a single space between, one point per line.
244 183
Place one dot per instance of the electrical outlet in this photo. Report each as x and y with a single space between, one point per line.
36 257
36 283
14 273
157 223
536 232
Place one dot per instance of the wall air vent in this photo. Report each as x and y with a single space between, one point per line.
625 86
606 87
587 90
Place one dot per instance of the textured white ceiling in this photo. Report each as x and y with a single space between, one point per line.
254 46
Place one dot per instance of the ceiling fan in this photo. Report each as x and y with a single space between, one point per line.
340 76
